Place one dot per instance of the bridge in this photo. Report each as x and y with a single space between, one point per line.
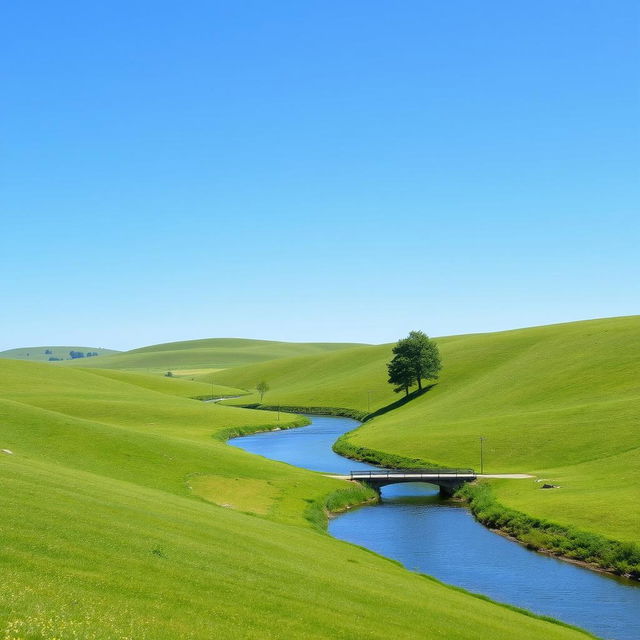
449 480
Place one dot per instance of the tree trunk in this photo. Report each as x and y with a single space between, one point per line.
406 391
419 383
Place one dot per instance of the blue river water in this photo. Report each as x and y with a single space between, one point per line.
413 525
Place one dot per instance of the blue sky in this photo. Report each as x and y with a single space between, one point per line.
315 170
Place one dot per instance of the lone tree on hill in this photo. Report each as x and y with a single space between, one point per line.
400 374
262 388
415 358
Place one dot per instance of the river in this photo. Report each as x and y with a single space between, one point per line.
413 525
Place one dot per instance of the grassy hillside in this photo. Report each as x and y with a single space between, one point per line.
214 353
174 386
354 378
125 515
38 354
561 401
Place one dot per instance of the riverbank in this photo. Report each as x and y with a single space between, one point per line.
587 549
331 504
591 550
340 412
236 431
339 501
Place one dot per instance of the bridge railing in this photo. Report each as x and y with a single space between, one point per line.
400 473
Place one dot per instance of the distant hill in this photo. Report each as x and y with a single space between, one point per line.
209 354
44 354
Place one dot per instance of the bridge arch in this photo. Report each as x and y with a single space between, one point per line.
448 480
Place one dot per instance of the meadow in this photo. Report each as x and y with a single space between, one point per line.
125 515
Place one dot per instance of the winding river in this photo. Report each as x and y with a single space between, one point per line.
413 525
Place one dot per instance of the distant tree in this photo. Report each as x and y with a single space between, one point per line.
415 358
91 354
169 374
76 354
262 388
48 352
53 359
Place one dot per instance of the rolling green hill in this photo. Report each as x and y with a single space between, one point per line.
125 515
560 401
213 353
39 354
352 378
172 385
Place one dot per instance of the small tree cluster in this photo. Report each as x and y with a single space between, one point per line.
415 358
81 354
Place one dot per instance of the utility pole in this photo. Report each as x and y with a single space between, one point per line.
481 460
278 412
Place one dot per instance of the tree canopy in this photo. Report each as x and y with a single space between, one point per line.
415 358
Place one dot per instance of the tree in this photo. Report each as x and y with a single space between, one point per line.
401 374
416 357
262 388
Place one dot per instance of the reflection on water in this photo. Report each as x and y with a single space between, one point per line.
439 537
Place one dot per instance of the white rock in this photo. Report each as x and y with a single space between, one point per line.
7 451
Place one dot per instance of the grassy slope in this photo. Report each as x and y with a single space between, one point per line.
37 354
214 353
102 536
349 378
174 386
562 401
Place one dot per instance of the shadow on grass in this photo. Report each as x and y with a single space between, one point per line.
399 403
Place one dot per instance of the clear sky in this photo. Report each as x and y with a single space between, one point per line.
316 170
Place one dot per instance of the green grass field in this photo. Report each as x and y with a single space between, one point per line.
213 354
173 385
125 515
560 401
37 354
